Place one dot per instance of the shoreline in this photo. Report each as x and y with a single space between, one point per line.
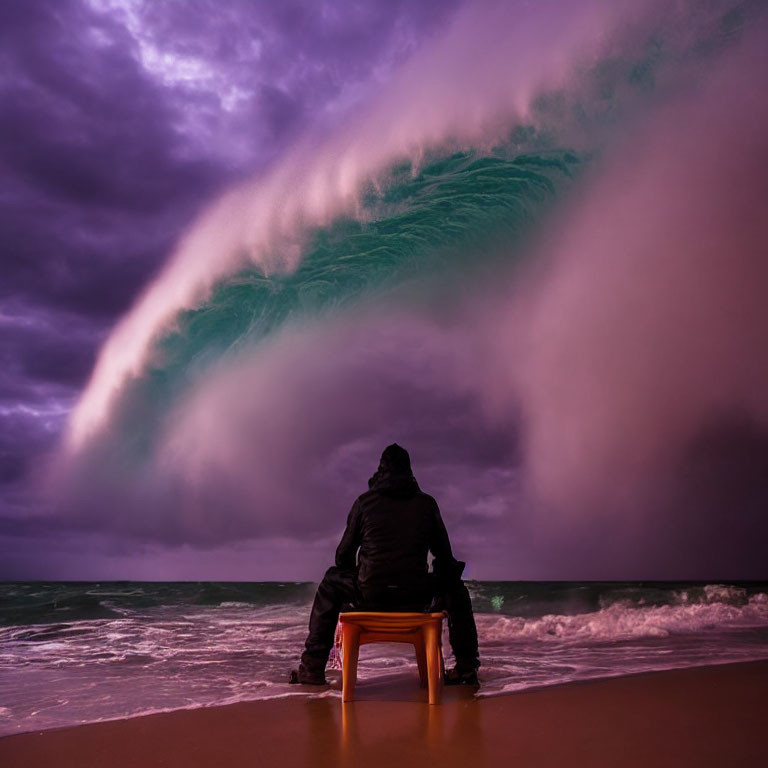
386 685
707 715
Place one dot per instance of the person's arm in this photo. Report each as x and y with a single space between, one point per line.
445 566
439 543
346 552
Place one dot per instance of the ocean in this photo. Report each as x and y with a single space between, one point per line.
82 652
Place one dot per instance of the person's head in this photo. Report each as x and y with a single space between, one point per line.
394 474
395 459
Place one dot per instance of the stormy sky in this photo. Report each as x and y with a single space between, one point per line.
619 428
119 121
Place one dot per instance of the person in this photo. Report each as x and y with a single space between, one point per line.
381 564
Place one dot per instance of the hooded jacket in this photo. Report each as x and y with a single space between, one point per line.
393 525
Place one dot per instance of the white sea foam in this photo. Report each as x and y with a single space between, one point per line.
625 621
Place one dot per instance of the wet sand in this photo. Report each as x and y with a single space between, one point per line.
710 716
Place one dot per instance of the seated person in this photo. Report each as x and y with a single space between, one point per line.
381 564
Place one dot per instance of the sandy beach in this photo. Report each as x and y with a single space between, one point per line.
710 716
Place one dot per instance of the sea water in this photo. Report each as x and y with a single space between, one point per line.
79 652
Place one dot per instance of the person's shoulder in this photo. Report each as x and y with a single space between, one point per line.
365 498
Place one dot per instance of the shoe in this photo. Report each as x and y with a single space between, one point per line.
305 676
461 676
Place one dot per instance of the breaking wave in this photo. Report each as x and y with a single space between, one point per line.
625 620
424 206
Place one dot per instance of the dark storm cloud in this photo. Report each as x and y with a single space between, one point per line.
119 122
89 161
44 360
52 349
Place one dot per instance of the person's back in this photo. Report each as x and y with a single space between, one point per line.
381 564
395 534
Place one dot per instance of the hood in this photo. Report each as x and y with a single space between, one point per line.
394 476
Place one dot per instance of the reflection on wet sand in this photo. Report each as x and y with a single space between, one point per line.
451 727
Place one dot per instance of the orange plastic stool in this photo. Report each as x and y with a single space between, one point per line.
423 630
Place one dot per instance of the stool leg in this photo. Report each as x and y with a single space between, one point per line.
350 639
421 660
434 679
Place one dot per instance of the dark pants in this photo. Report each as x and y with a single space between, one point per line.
340 587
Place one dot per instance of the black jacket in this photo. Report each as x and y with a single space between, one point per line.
394 525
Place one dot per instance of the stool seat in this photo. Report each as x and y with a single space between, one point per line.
422 630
